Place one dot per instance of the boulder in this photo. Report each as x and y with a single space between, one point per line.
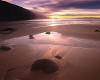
45 65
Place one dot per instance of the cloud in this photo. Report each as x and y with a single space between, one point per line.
39 2
52 6
59 5
76 12
78 4
7 0
81 5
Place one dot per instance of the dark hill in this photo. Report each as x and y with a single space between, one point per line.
11 12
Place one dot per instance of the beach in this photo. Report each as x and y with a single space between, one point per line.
77 42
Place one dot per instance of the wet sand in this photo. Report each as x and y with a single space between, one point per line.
78 45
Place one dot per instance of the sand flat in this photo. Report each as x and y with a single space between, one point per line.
78 45
76 63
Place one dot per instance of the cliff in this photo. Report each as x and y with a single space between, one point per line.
11 12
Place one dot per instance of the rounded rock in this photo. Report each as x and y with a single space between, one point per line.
47 32
97 30
58 57
5 48
6 30
46 65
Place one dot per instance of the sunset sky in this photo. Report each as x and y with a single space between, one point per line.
62 8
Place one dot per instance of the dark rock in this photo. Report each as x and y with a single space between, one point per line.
5 48
31 37
47 32
58 57
46 65
6 30
97 30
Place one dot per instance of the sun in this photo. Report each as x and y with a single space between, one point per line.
53 17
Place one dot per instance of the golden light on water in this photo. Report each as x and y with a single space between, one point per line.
53 21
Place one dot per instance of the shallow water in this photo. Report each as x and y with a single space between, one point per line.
53 38
51 22
60 30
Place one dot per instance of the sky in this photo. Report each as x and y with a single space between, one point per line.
62 8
